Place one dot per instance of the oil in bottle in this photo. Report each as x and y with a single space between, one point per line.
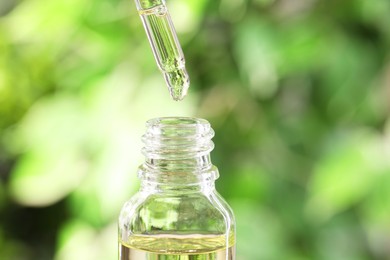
178 247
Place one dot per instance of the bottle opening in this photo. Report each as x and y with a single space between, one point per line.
177 138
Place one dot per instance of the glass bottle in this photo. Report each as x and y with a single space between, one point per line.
177 214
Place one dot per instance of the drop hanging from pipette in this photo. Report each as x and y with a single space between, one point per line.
165 45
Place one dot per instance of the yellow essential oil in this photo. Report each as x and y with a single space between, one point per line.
191 247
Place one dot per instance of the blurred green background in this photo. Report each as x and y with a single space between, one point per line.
297 91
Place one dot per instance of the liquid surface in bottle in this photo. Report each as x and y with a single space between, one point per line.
179 247
166 49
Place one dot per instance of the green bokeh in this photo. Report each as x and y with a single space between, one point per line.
296 91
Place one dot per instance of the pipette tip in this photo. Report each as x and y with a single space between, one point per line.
178 83
178 94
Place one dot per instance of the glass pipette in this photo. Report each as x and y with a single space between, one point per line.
165 45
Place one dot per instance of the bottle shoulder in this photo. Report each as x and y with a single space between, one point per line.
180 212
193 201
225 205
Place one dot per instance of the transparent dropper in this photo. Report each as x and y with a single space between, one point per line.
165 45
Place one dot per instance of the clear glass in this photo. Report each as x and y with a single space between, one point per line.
177 213
165 45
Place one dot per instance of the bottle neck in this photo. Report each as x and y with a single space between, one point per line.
191 165
178 181
177 154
